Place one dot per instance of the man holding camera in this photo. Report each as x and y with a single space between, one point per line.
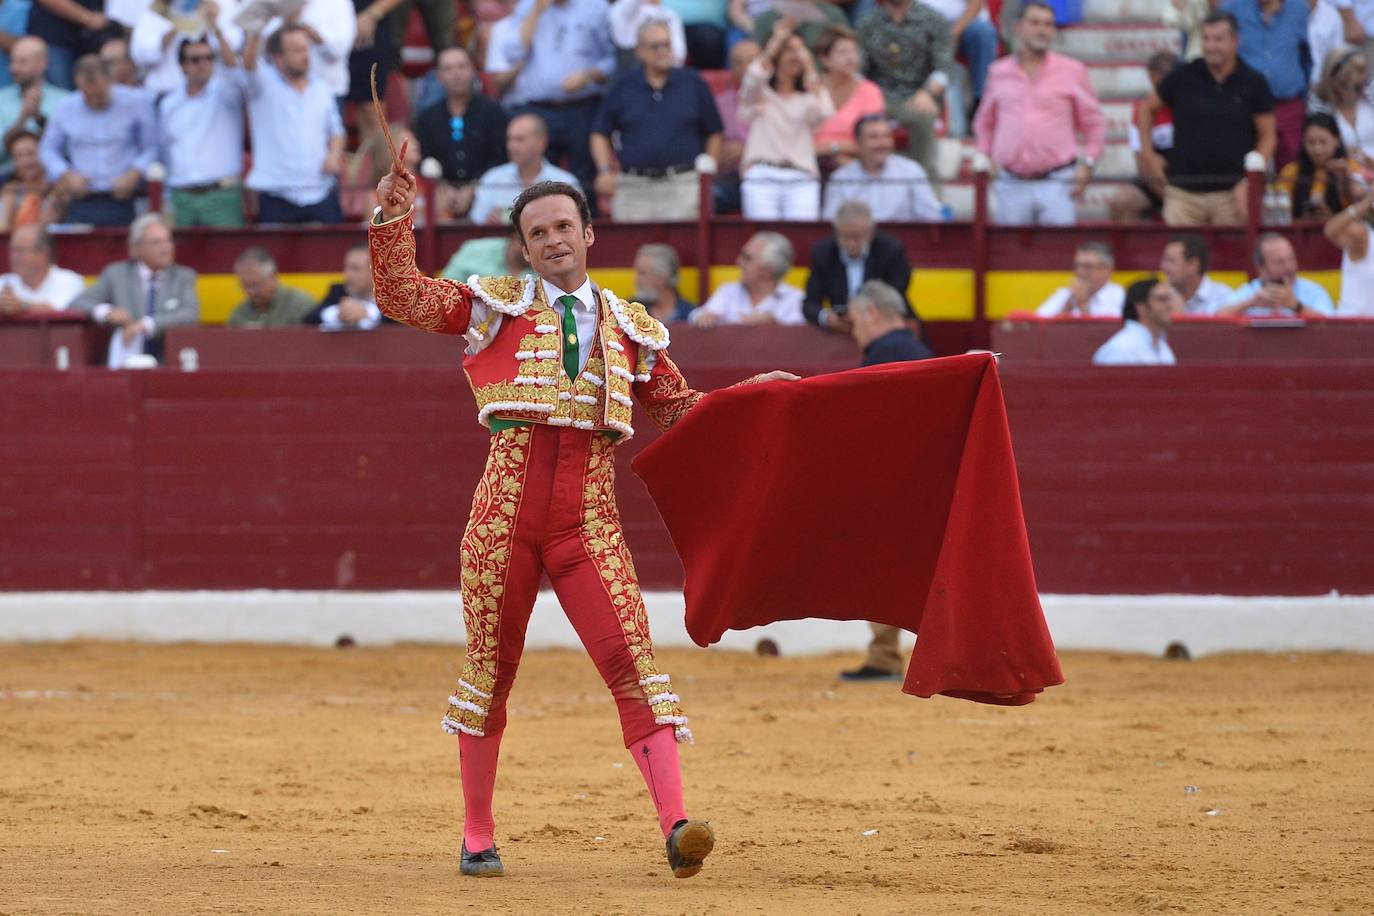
841 263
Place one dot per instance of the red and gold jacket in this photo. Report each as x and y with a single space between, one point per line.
515 344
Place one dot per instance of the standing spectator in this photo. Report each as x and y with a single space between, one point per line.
1315 183
330 28
1343 92
1139 198
783 101
440 19
267 303
704 23
371 45
553 58
155 44
28 102
853 96
114 54
1184 264
842 263
1222 110
735 130
1325 33
759 296
1092 293
71 28
352 304
895 188
627 16
98 143
907 52
656 278
1358 18
145 295
465 133
1036 106
1351 231
1278 290
526 141
35 284
24 198
811 25
298 136
973 35
1147 314
202 133
662 118
1273 40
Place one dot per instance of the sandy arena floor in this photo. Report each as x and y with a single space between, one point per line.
190 779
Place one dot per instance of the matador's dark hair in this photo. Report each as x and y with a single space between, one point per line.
549 189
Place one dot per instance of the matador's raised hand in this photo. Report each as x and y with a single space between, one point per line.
396 190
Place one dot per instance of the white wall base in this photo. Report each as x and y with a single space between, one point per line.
1132 623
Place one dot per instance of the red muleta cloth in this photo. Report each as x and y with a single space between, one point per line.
886 494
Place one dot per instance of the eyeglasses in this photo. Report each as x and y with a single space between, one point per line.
657 46
455 126
199 58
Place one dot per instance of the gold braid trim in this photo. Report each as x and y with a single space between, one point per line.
406 295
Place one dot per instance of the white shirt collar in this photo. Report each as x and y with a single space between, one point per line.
586 298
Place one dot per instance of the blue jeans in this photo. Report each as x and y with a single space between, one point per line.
978 44
60 63
274 209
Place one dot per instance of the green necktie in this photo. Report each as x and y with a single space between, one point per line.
569 335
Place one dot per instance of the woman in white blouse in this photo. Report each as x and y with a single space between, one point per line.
1343 92
783 102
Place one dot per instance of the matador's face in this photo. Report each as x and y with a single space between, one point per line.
556 239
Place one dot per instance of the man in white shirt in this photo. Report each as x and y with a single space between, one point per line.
155 43
894 187
1184 265
1092 294
759 296
201 134
332 27
1149 310
34 284
526 141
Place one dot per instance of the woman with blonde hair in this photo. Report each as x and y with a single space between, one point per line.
1343 91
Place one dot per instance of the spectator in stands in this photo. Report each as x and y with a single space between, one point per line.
1278 291
1358 18
371 45
71 28
1184 264
1222 110
465 133
352 304
656 278
735 130
526 141
1036 106
97 145
201 125
34 283
1186 16
1315 183
973 35
908 53
811 25
1148 311
144 296
895 188
553 58
1092 293
28 102
267 303
662 118
759 296
1325 34
1139 199
440 19
783 101
1352 230
298 135
1343 93
704 23
330 27
489 256
155 44
24 198
114 54
841 263
1273 40
628 16
853 96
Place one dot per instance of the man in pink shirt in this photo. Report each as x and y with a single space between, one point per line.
1041 125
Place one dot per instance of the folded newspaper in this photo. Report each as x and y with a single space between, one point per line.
255 15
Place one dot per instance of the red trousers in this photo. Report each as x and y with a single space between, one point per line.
546 501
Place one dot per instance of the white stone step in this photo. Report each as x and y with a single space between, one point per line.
1117 43
1119 81
1112 11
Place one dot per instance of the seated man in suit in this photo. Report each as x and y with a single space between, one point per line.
840 264
144 296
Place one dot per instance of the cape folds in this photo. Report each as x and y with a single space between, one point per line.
886 494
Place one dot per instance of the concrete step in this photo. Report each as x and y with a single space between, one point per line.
1119 81
1117 43
1116 11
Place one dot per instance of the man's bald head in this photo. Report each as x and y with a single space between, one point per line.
28 60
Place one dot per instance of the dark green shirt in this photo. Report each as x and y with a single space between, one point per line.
287 307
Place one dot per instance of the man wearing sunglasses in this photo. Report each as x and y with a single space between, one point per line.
201 128
465 132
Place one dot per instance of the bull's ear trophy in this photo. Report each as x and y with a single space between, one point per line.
397 159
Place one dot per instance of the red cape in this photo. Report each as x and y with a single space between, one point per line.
886 494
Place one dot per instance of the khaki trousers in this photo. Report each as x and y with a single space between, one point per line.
1202 208
656 200
885 651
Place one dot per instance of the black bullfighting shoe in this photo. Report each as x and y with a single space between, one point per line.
484 864
688 846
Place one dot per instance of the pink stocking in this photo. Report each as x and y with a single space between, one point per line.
658 762
477 761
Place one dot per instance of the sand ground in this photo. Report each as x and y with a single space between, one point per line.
243 779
